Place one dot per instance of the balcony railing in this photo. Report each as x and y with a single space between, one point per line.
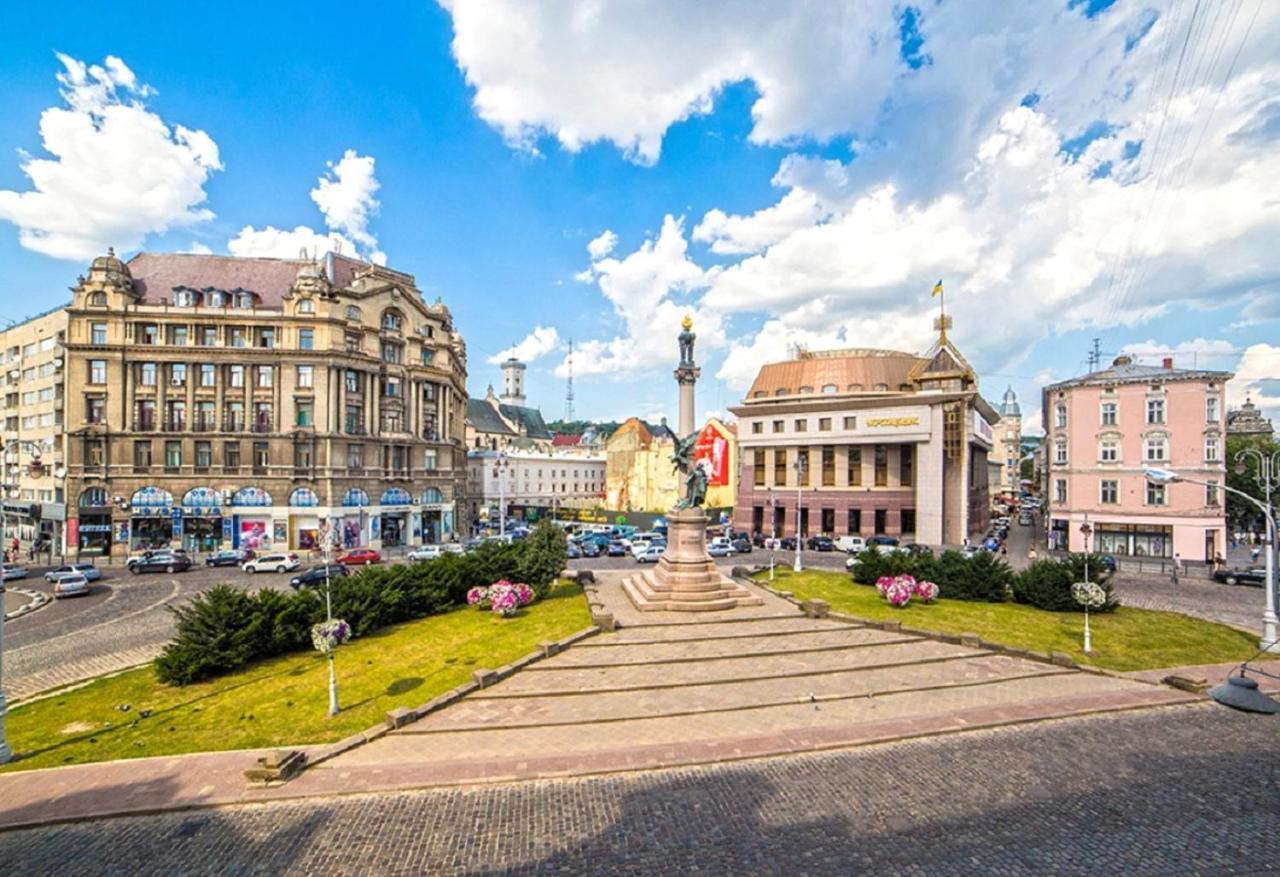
262 425
144 425
355 429
206 424
233 424
174 424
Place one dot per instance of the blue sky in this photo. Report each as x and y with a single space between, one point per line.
796 174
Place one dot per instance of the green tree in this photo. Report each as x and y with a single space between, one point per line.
545 556
1242 514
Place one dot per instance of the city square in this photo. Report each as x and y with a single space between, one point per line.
846 450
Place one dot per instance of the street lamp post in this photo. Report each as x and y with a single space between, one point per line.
773 533
501 467
327 549
1269 641
800 469
1085 531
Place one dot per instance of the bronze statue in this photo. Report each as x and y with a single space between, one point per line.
695 473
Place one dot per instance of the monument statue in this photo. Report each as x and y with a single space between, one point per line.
686 339
694 471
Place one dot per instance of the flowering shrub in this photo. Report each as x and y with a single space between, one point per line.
478 597
927 592
328 635
898 593
503 597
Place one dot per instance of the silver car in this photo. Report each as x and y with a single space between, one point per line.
13 571
71 586
88 570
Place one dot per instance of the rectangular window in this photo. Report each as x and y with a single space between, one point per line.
151 334
306 414
353 382
1155 411
354 420
146 416
96 409
304 377
302 456
429 459
390 352
236 376
1155 494
204 455
175 416
262 417
802 470
1109 452
777 426
855 467
355 456
1060 452
148 378
757 428
1155 449
208 336
266 375
230 456
1060 490
261 456
1212 449
1108 413
267 338
172 455
853 525
391 387
882 465
97 371
207 374
237 336
1108 492
1211 494
97 333
178 336
851 423
757 467
1060 415
1211 412
306 339
828 469
141 454
906 465
824 424
353 345
779 467
178 374
801 425
206 416
235 417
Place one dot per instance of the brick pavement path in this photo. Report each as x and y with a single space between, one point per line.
1181 790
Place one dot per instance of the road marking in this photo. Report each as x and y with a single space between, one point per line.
149 608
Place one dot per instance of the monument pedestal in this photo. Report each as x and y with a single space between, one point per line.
685 578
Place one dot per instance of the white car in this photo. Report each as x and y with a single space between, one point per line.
650 554
272 563
13 571
88 570
71 586
425 552
850 544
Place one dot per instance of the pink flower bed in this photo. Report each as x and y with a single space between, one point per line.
502 597
898 590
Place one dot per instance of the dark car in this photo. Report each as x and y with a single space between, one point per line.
572 551
787 543
1241 576
742 545
616 549
159 561
915 549
821 543
315 575
885 541
233 557
590 549
1108 562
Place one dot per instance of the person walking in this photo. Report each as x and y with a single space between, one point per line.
1032 555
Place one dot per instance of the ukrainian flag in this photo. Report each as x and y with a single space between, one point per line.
937 288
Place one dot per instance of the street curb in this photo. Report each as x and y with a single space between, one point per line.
38 600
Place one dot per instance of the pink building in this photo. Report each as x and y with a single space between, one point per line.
1102 430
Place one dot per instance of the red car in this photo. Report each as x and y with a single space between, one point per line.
360 557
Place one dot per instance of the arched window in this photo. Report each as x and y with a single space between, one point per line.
782 392
806 389
98 299
855 388
432 496
828 388
882 387
392 321
306 306
353 312
94 498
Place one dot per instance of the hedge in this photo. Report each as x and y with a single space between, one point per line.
225 628
1046 584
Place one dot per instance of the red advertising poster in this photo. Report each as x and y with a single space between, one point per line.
714 448
73 532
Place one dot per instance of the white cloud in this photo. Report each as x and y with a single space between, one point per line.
541 341
602 245
199 249
118 172
345 195
1198 352
1258 378
736 235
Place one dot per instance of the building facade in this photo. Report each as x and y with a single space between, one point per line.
531 480
1248 420
33 380
498 423
1103 429
1008 451
640 476
225 402
866 442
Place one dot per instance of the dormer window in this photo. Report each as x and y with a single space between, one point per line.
392 321
829 388
244 299
186 298
217 299
882 388
806 389
353 312
306 306
98 299
782 392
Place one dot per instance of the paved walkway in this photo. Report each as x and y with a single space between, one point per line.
1180 790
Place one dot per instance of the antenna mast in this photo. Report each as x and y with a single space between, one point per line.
568 390
1095 355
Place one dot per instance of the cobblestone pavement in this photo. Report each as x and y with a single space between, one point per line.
1181 790
1240 606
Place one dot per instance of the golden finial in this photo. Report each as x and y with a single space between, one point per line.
687 322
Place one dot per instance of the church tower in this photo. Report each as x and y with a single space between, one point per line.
513 382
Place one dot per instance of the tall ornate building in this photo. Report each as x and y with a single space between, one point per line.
1009 442
222 401
1248 420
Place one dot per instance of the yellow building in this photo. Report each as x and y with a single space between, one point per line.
639 475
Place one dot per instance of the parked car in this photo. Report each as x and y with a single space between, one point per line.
425 552
90 572
590 549
1025 519
821 543
71 586
359 557
850 544
720 547
1241 576
159 561
616 549
741 545
230 557
915 549
787 543
572 551
453 548
278 562
650 554
13 571
316 575
882 542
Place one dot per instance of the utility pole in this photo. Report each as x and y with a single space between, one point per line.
800 469
568 392
1095 354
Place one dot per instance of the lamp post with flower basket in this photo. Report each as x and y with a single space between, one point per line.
330 633
1090 595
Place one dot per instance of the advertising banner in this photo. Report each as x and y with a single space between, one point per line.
714 448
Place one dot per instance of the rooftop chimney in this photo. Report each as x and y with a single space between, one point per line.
1168 362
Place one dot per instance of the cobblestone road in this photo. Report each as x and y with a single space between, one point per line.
1180 790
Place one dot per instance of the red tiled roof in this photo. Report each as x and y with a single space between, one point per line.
156 274
565 441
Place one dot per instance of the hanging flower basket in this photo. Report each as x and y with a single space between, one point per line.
503 597
1089 595
328 635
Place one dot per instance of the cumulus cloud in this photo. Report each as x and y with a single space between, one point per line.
1198 352
117 171
345 195
1257 377
602 245
541 341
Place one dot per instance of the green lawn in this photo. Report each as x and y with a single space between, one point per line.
1126 639
283 700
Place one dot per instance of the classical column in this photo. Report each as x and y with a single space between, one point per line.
687 374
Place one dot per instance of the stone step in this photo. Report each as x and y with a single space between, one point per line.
782 723
680 625
483 713
640 590
795 642
902 651
629 636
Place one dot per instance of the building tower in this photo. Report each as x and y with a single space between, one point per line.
1010 441
513 382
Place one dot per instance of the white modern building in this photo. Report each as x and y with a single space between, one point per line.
532 484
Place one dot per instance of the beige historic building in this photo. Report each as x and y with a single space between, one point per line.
34 394
866 442
1008 450
639 475
220 401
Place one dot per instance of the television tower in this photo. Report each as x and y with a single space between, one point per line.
568 390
